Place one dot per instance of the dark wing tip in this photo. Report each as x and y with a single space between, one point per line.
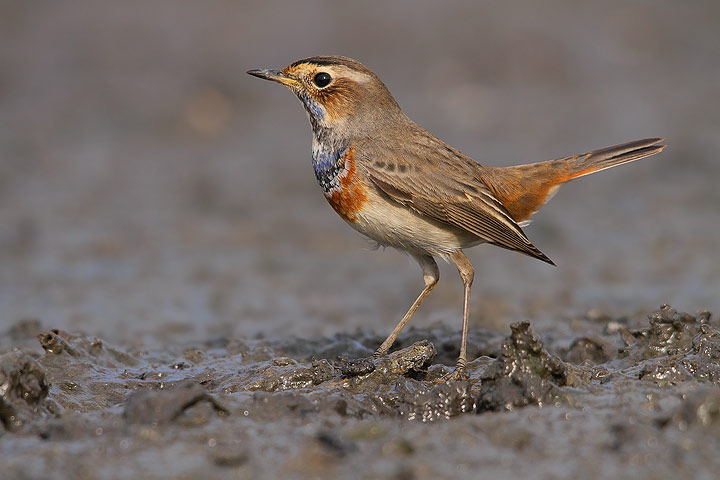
530 250
541 256
547 260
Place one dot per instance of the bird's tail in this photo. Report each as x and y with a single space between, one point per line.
604 158
523 189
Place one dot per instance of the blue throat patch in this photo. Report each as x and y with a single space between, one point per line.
327 163
316 113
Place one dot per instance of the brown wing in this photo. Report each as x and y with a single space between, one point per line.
447 189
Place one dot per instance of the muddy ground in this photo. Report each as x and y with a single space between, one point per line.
621 400
175 293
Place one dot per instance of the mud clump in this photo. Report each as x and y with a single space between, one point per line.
23 390
161 407
438 402
673 333
524 374
412 361
398 384
286 374
413 393
677 347
593 350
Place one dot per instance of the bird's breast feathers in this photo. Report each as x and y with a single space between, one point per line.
342 184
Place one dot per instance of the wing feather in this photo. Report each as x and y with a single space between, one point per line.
451 192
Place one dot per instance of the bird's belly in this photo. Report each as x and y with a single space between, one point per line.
392 224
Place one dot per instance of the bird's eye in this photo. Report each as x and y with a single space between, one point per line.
322 79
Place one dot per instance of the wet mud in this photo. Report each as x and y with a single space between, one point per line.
629 398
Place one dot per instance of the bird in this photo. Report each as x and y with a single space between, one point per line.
402 187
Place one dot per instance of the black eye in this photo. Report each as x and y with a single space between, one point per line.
322 79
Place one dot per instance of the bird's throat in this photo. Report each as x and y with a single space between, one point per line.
327 162
315 112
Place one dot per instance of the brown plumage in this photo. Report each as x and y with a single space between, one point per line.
403 187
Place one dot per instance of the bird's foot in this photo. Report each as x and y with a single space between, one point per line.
457 375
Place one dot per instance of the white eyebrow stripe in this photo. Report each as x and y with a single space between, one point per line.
351 74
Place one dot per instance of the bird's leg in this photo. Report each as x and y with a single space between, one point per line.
467 273
431 274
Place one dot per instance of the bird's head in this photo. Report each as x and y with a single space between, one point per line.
338 93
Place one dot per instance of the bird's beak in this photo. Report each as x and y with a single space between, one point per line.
275 76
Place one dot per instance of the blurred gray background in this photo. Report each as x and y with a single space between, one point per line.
150 190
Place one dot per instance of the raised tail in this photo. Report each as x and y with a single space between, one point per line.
608 157
523 189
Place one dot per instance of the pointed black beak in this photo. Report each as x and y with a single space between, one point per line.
274 75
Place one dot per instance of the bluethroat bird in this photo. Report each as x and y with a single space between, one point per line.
396 183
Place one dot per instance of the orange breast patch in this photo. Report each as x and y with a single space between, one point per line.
350 195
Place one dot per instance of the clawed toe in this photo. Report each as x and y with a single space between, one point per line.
457 375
